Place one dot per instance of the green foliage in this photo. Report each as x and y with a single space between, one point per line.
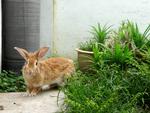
10 82
119 80
119 54
109 90
130 31
128 44
87 46
99 35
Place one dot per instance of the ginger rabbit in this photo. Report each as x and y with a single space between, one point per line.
38 72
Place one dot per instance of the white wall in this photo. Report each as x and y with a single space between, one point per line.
46 23
0 35
73 18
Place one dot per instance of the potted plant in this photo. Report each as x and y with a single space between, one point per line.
85 50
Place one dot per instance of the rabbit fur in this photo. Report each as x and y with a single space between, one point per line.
38 72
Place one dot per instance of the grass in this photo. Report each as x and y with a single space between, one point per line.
10 82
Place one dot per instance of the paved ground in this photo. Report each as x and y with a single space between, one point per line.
46 102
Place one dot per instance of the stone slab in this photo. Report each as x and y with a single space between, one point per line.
46 102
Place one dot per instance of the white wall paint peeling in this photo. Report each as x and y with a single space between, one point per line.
73 19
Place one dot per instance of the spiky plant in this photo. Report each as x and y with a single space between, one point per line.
87 46
130 31
100 33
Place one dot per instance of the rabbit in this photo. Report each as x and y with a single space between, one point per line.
38 72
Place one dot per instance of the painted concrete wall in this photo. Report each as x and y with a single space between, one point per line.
0 36
46 23
73 18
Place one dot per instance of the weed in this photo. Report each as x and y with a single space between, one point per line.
10 82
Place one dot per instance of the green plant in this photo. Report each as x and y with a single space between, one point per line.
96 54
10 82
119 54
99 35
119 79
109 89
130 31
129 34
87 46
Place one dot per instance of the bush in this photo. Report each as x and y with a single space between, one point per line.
109 90
10 82
119 80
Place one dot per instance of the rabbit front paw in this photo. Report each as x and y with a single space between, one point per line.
32 94
25 94
35 91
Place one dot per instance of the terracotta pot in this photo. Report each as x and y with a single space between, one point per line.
84 59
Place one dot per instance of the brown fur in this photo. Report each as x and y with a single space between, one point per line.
37 72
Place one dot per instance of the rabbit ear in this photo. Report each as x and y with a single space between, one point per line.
22 52
42 51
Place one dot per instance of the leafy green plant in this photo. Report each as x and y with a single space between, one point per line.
120 54
10 82
99 35
130 31
96 53
139 39
129 34
87 46
108 90
119 79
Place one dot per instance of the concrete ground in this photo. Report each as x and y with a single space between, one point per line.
46 102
